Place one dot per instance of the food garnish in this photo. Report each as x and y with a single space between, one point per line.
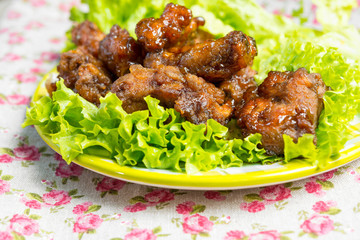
167 94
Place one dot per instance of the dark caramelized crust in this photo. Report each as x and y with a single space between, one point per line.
92 83
195 99
69 65
238 85
214 61
84 74
173 27
286 103
198 36
119 50
88 35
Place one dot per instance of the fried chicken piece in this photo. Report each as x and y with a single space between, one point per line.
84 74
92 83
133 87
199 36
173 27
71 61
118 50
195 99
239 87
196 37
88 35
214 61
286 103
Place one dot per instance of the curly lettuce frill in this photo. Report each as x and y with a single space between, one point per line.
155 138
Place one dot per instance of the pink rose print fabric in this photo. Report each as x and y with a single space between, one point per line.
185 208
275 193
43 197
6 236
108 184
137 207
56 198
266 235
144 234
318 224
65 170
81 208
234 235
321 206
32 204
87 222
196 224
27 153
253 207
4 187
214 195
159 196
23 225
5 158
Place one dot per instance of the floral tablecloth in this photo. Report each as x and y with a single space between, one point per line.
41 197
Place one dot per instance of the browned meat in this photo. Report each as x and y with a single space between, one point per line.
93 83
133 87
195 99
119 50
287 103
88 35
238 85
214 61
199 36
173 27
71 61
50 86
84 74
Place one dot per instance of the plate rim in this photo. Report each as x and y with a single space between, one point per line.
212 180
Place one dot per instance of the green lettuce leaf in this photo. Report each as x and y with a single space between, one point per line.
161 138
155 138
334 12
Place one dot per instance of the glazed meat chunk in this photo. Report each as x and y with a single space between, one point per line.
118 50
286 103
71 61
84 74
88 35
195 99
201 101
239 87
198 36
214 60
173 27
92 83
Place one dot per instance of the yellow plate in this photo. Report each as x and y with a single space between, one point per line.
248 176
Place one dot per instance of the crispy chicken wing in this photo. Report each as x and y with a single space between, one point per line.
118 50
195 99
88 35
173 27
286 103
214 60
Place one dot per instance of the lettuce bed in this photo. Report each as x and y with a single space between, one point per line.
160 138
